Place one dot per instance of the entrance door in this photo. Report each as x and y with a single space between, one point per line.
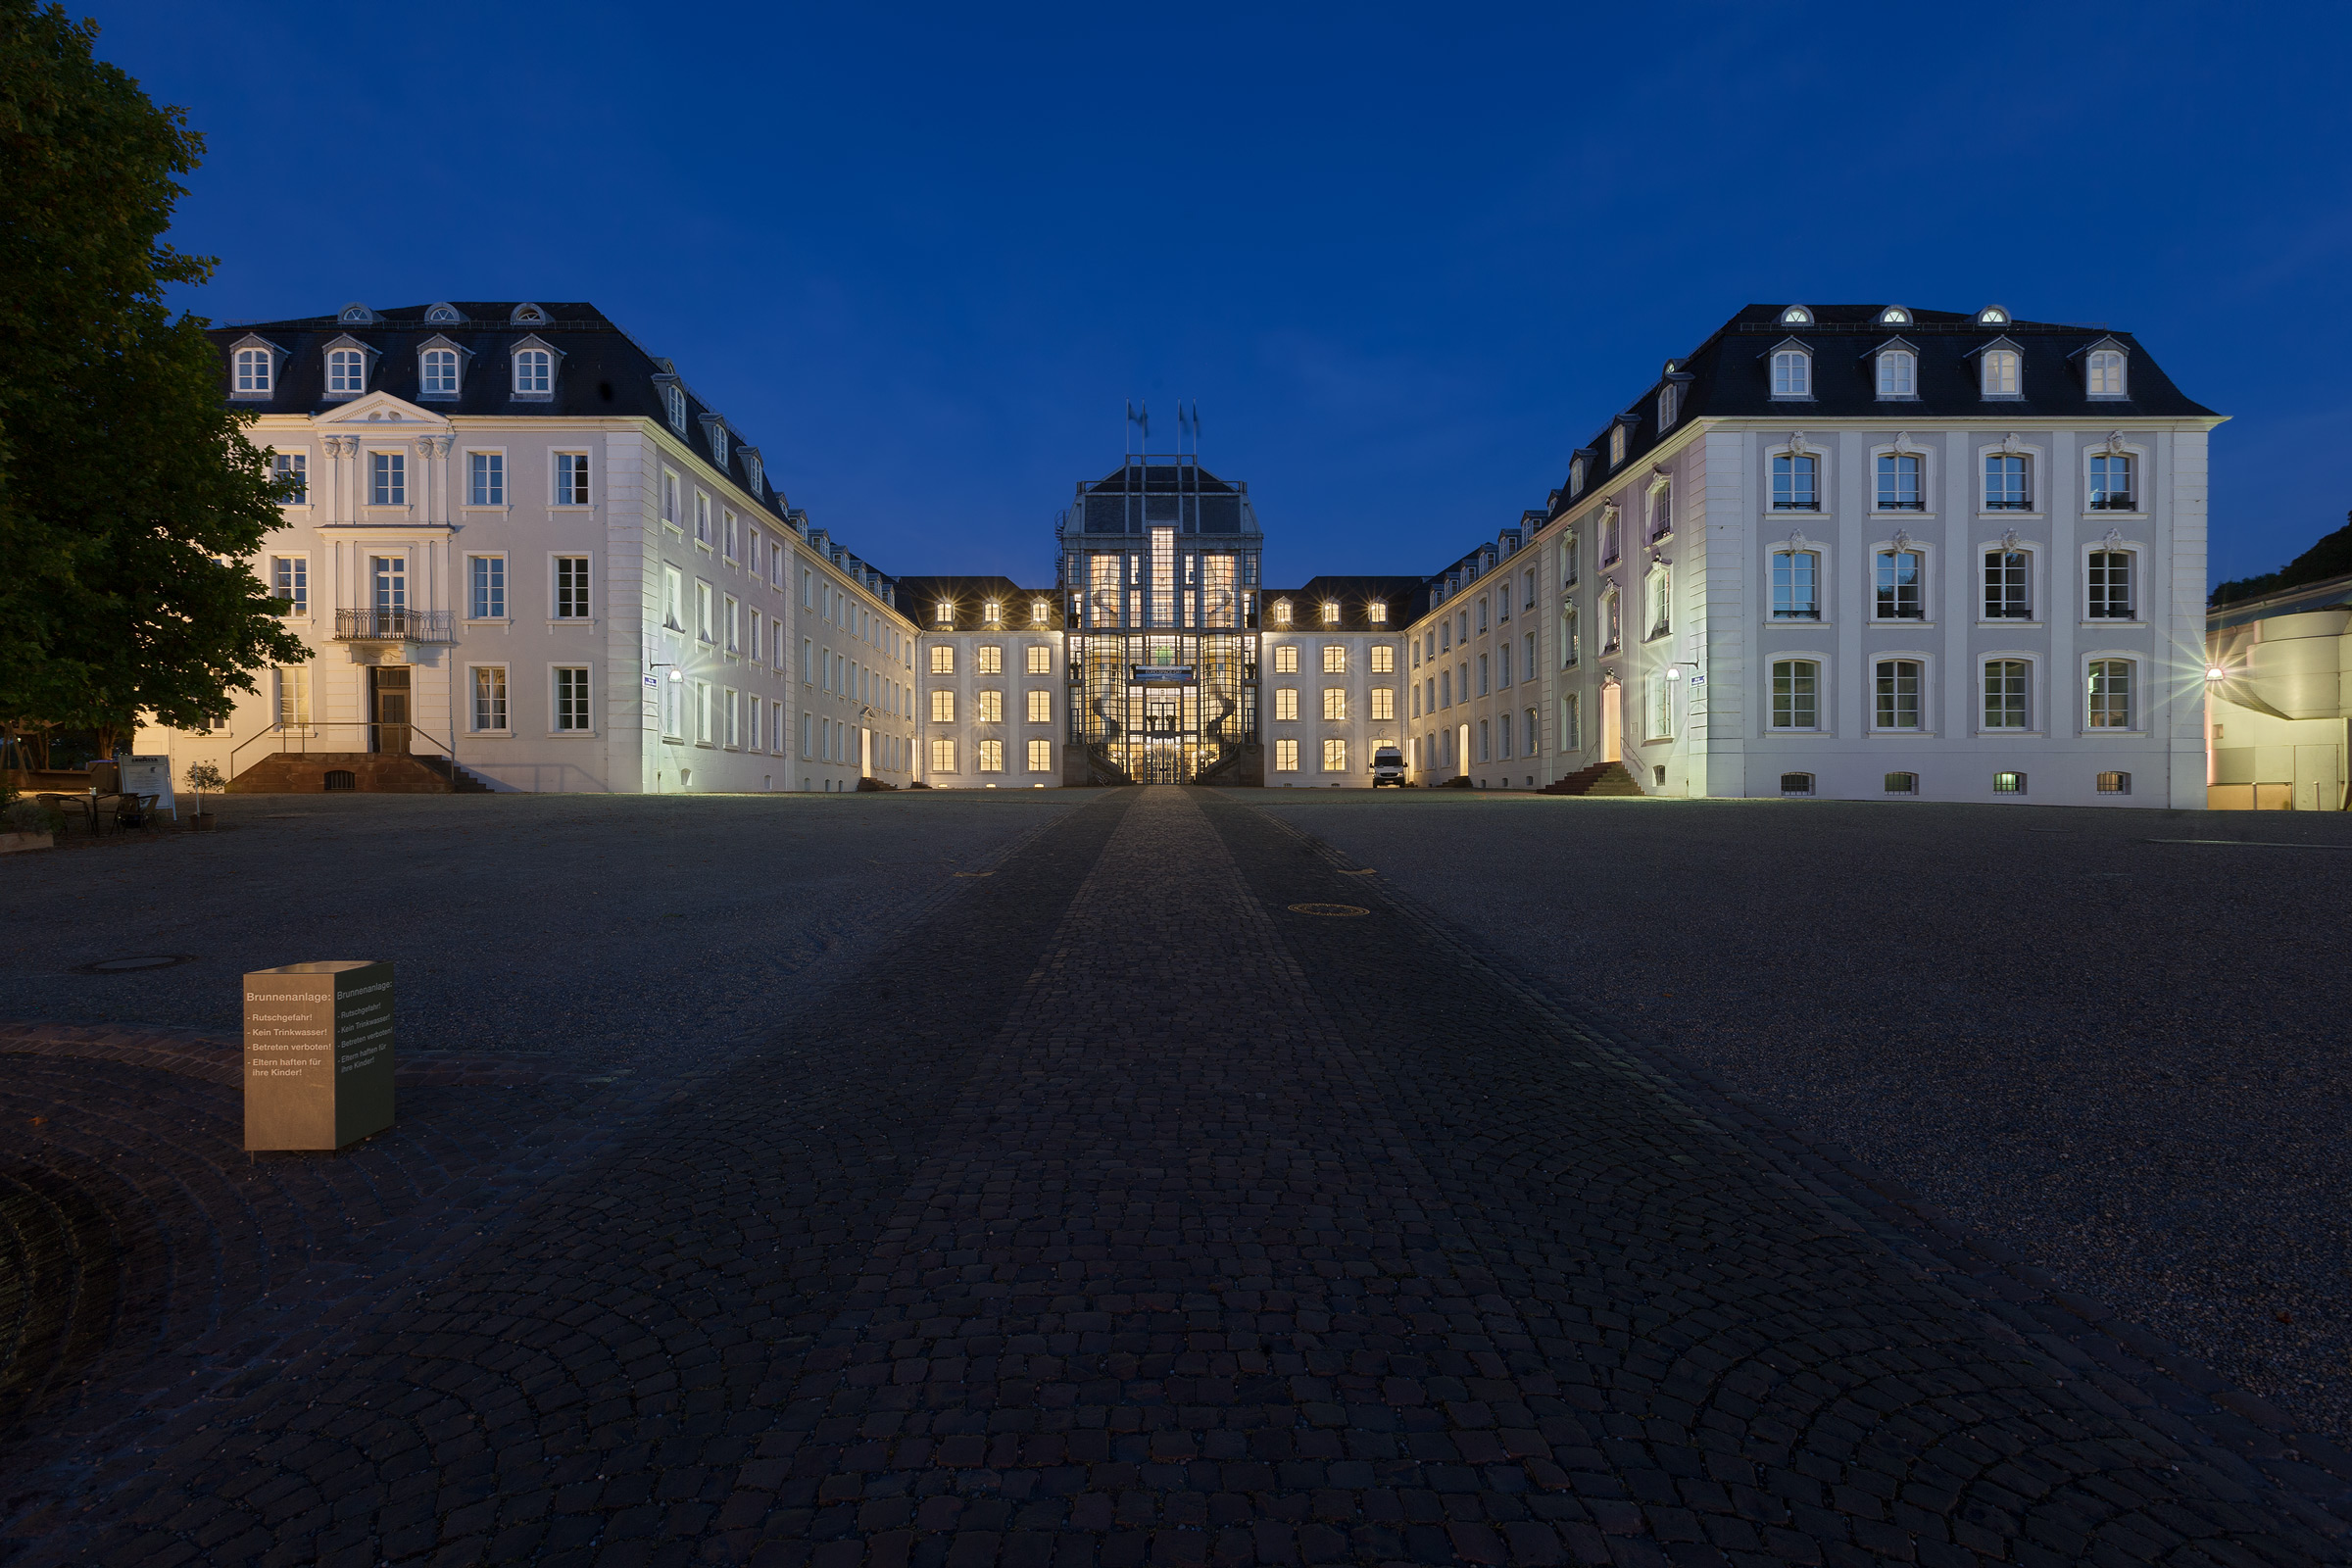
1612 723
1163 712
1462 743
388 708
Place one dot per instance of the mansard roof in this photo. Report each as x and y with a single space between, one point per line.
1405 596
919 598
1731 377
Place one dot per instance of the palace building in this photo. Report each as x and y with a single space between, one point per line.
1859 552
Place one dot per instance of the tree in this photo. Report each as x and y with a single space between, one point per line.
130 502
2332 556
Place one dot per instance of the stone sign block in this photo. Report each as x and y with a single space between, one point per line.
317 1054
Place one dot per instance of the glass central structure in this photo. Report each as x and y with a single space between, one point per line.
1159 573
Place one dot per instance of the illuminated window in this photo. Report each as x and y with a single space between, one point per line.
1040 658
2115 783
2109 691
2105 374
1335 701
1286 702
992 757
1331 613
989 707
1335 658
942 707
1285 756
1286 658
1282 611
1041 757
943 658
1041 706
1384 658
991 659
1616 446
1376 611
1383 703
992 614
942 754
2008 783
1036 611
1335 756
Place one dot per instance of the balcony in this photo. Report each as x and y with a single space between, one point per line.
392 626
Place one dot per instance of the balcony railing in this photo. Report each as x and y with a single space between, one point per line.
392 625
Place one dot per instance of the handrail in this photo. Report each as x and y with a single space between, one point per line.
279 727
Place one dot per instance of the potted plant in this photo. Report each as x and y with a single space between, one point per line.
29 825
203 776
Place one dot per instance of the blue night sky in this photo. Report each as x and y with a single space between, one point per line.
1406 259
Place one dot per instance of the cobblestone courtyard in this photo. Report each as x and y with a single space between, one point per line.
1107 1179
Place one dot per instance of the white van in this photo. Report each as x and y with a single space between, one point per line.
1388 767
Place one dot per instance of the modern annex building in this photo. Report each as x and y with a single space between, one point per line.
1842 550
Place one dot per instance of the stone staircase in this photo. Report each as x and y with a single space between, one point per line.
368 772
1601 778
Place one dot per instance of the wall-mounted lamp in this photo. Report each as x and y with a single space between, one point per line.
2215 674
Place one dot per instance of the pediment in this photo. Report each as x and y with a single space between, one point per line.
2102 343
380 408
2009 343
437 341
1902 343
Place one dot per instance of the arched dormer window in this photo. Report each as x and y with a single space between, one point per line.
1797 315
348 362
356 315
1376 611
753 471
2000 371
673 404
1792 373
440 367
442 313
529 315
1895 315
1282 611
1992 316
1036 611
1669 404
1616 446
2105 369
1576 478
534 369
253 369
1331 611
1897 371
716 429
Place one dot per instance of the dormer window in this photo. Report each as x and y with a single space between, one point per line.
992 614
1036 611
1331 611
1376 611
673 399
1791 373
256 373
1797 315
1668 396
715 428
437 374
1576 478
529 315
534 373
1616 446
1992 316
754 474
346 371
2001 372
1895 315
443 312
355 313
1282 611
2103 373
943 611
1898 373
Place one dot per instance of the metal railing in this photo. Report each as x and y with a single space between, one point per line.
392 625
389 740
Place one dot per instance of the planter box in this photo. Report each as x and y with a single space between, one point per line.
11 843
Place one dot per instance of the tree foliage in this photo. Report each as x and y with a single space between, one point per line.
2332 556
130 502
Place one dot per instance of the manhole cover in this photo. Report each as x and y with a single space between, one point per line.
130 965
1327 908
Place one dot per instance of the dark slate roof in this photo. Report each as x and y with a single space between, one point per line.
919 598
1406 597
1164 491
601 371
2334 593
1730 375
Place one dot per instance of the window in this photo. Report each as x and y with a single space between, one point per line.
718 443
1040 658
673 401
2105 374
1286 702
346 371
1041 757
534 373
292 471
1335 756
1335 701
389 576
2110 585
572 699
674 598
1898 585
487 586
1571 638
942 754
1611 627
1796 482
293 696
2110 690
2111 482
489 697
992 615
943 658
1661 514
290 580
1899 694
1667 403
1486 752
734 624
1335 658
437 374
1568 559
992 757
1482 615
2115 783
1898 482
1572 735
571 587
1898 373
1576 478
387 479
1331 613
1658 589
1384 658
1037 613
2008 783
1285 756
1610 540
571 479
1660 703
1377 613
1616 446
2008 577
670 501
1286 658
2005 694
1797 783
1383 703
1791 373
1503 664
988 707
943 705
1529 580
1999 372
751 723
256 371
991 659
485 479
1282 611
706 618
1482 675
1795 585
702 519
1902 783
1795 694
1041 706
